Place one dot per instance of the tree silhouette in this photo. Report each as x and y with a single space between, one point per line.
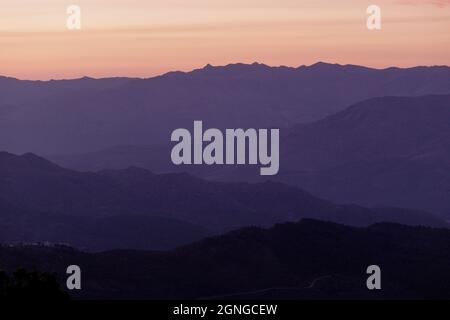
25 285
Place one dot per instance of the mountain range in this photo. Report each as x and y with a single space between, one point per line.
305 260
392 151
134 208
389 151
86 115
362 150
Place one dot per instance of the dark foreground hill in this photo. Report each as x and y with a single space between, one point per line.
305 260
136 209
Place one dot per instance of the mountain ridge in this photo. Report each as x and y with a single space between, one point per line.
308 259
385 151
90 115
51 199
256 63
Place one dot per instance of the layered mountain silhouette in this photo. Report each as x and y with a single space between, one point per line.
305 260
134 208
391 151
414 128
374 143
85 115
15 92
387 151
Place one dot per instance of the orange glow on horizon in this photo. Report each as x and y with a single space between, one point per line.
146 38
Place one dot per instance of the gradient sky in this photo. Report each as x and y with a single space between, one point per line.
149 37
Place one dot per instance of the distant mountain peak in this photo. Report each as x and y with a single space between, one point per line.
323 64
6 78
238 66
9 160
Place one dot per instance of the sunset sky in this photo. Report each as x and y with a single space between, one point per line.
148 37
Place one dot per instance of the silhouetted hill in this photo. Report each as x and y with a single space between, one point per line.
305 260
390 182
134 208
390 151
100 115
30 286
16 92
40 202
154 158
379 128
386 151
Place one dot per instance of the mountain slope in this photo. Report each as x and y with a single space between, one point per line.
64 205
391 151
146 111
379 128
304 260
16 92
